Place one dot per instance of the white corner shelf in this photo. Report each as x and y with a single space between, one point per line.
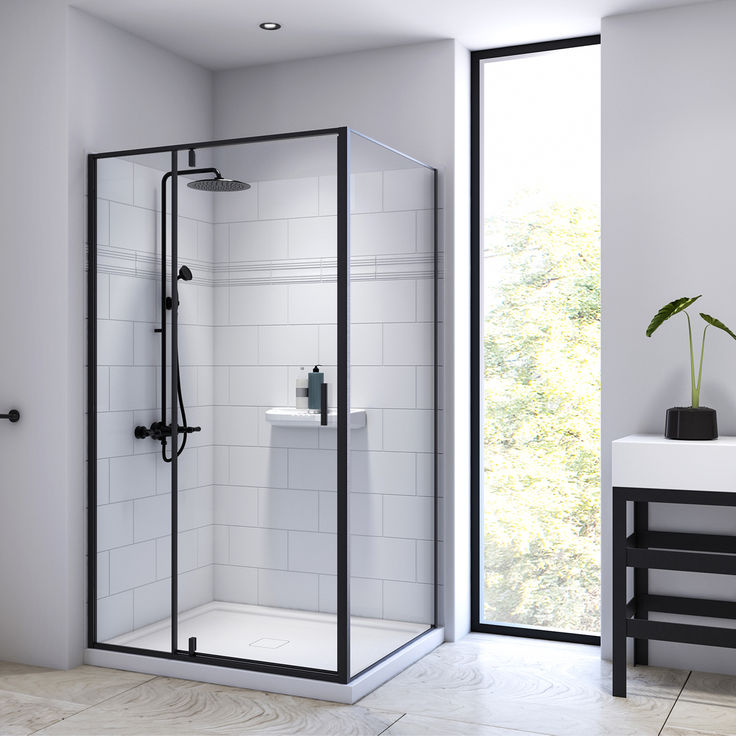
302 418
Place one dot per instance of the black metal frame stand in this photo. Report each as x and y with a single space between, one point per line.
645 550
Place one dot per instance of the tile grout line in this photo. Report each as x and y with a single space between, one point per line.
94 705
675 703
390 725
511 729
38 697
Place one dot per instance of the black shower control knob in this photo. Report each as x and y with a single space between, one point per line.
159 431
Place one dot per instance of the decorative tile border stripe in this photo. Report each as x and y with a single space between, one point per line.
123 262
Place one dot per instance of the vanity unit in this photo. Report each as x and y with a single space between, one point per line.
651 469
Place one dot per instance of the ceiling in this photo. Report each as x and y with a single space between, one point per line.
224 34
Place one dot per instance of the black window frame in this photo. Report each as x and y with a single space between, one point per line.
476 342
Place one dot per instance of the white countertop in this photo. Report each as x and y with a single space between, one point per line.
652 461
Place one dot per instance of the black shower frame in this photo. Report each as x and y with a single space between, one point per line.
476 342
342 674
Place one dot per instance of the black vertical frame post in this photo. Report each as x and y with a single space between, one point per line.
476 342
641 583
164 335
619 593
174 362
477 59
343 405
92 400
436 399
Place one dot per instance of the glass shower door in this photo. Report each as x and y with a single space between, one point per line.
133 513
256 517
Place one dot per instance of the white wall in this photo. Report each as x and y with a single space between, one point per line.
40 604
404 97
457 401
74 85
127 93
669 153
123 93
275 500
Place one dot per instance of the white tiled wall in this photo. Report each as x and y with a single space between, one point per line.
275 514
134 499
257 504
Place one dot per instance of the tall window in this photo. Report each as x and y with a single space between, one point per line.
536 304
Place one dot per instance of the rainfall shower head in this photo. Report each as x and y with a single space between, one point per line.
218 184
185 274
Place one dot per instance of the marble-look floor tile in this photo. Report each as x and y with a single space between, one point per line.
481 686
706 717
705 687
574 662
527 690
674 731
85 685
411 725
22 714
167 706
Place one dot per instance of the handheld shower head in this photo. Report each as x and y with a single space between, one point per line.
185 274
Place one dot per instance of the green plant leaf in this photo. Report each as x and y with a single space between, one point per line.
717 323
668 310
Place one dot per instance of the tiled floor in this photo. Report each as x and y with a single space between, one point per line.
482 686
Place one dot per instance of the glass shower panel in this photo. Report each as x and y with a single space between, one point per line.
195 400
133 500
257 532
393 375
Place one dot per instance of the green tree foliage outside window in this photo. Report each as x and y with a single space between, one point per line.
542 419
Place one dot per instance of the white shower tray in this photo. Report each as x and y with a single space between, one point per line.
303 418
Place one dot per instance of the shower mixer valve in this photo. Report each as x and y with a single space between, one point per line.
160 431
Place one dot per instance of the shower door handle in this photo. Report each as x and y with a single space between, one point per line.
323 405
13 415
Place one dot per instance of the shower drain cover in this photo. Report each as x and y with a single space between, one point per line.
266 643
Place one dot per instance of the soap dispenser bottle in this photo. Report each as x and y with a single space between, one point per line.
316 379
302 386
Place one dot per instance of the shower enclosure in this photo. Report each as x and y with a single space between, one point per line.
226 526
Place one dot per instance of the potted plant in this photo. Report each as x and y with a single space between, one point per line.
692 422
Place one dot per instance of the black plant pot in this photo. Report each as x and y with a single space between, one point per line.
688 423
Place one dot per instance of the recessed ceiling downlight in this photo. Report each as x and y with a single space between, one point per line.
270 26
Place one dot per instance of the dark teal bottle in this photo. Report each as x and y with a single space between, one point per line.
316 379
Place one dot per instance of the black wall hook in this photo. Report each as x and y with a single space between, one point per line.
13 415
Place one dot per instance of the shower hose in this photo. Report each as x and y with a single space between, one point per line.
182 411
